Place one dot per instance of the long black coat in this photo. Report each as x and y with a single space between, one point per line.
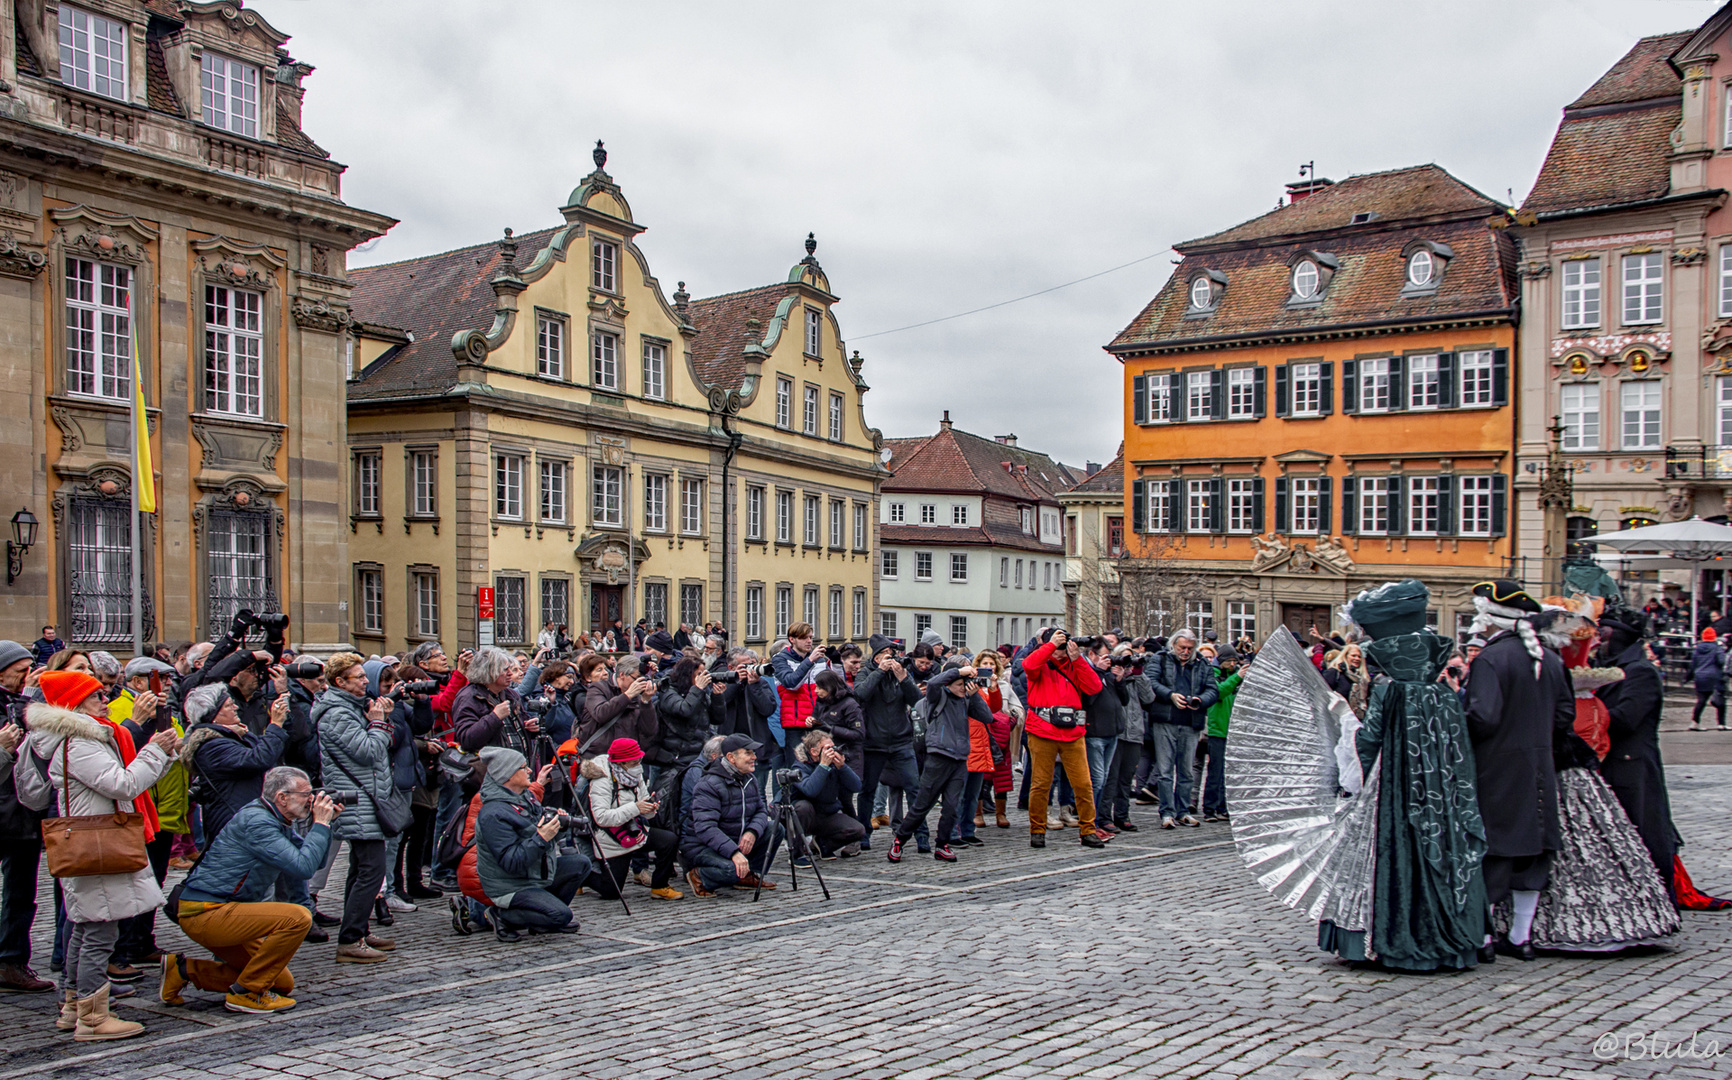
1510 720
1633 767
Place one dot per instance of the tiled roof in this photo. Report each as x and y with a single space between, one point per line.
1366 288
289 134
1607 159
157 86
1645 72
1419 191
27 64
432 297
718 352
993 534
1110 480
955 460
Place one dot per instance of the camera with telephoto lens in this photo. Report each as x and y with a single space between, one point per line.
725 678
306 669
1085 643
419 686
660 680
273 623
344 798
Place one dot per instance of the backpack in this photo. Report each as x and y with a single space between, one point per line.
668 791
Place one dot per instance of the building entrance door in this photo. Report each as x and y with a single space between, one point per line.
1300 618
606 602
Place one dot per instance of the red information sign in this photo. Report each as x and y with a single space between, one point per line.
484 602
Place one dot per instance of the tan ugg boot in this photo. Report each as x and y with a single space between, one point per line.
998 802
68 1019
96 1023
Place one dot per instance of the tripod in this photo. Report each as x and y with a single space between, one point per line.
784 815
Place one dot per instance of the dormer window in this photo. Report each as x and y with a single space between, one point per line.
1425 263
229 94
1205 293
1306 280
1419 269
1201 294
93 52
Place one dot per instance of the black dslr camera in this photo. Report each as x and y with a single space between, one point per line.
344 798
420 686
787 778
1085 643
306 669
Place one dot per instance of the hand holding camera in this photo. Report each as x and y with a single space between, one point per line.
377 710
144 706
832 758
648 806
279 710
551 822
166 741
10 736
324 810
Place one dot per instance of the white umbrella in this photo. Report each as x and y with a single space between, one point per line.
1694 541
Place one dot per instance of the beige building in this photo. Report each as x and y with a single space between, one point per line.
536 417
1094 542
158 195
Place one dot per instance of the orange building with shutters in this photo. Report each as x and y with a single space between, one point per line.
1320 400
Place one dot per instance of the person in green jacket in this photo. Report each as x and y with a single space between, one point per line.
1215 790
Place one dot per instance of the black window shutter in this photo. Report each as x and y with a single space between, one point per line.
1176 507
1397 383
1349 505
1499 502
1176 397
1446 380
1259 406
1283 511
1445 505
1500 376
1281 398
1325 503
1139 507
1140 399
1326 378
1349 386
1397 504
1257 504
1217 394
1217 515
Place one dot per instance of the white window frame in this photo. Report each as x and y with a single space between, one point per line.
1241 393
1019 573
1305 389
1473 512
1474 374
898 513
754 612
1424 390
1199 395
859 623
691 506
607 488
1197 505
860 530
604 360
1241 506
754 512
1160 508
923 566
887 623
554 487
959 567
550 347
229 94
367 471
838 523
814 332
508 487
1580 283
372 605
959 515
1375 393
836 407
1307 496
89 44
959 632
1639 414
655 369
556 601
1424 505
1306 280
1373 506
809 606
655 503
784 608
1421 268
1581 419
1241 620
834 616
784 400
922 623
1200 615
809 520
98 330
1644 288
890 563
234 346
604 265
426 604
928 513
1004 571
809 411
1160 391
784 517
1723 406
424 467
1202 293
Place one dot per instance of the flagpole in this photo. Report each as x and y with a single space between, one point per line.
137 546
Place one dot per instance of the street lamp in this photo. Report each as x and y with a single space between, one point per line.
23 539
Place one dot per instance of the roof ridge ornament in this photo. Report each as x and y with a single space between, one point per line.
599 155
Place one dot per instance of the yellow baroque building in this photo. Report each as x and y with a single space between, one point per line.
536 417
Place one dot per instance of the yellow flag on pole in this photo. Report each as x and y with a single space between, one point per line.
144 476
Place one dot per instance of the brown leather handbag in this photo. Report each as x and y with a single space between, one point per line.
93 844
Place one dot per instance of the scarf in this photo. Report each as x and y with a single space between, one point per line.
143 803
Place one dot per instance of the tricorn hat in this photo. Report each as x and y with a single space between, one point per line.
1507 598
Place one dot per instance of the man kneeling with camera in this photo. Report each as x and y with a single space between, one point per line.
529 880
731 842
222 906
818 798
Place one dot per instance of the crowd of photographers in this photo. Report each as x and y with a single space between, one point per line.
507 784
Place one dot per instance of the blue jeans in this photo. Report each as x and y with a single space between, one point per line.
1175 750
1100 760
971 789
537 908
716 870
1215 791
895 770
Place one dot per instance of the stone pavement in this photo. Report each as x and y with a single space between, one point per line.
1158 956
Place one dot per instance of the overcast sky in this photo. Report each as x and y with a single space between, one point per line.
948 155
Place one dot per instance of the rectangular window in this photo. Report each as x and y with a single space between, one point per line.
810 533
784 401
1241 620
1306 381
814 332
959 514
1307 509
1423 505
1160 506
859 613
228 94
834 615
1474 517
754 513
1198 505
958 567
99 557
898 513
1027 516
556 601
424 464
887 623
1160 398
809 606
809 411
604 361
233 346
370 584
510 627
1004 572
1726 262
1644 288
923 566
1423 391
998 631
1019 573
427 605
605 492
1374 505
655 503
1724 406
93 53
1199 395
655 370
655 603
1475 368
1581 411
1581 286
922 623
838 523
835 417
1242 393
1374 385
553 491
691 507
1046 576
98 329
240 564
888 561
928 513
508 486
1200 615
366 485
754 612
784 608
549 347
860 527
784 517
1116 537
1641 414
1241 506
692 605
604 265
959 632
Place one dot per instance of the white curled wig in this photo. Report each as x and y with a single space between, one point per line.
1491 616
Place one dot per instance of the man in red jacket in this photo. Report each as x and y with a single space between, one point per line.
1058 677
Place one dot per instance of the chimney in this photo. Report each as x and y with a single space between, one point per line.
1008 440
944 424
1091 467
1299 189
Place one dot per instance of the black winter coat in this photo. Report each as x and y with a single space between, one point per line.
683 725
602 702
947 733
1196 679
745 709
884 705
17 821
1106 710
234 767
302 750
724 808
1633 768
1510 720
844 719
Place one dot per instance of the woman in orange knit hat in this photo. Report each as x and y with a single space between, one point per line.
1708 672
